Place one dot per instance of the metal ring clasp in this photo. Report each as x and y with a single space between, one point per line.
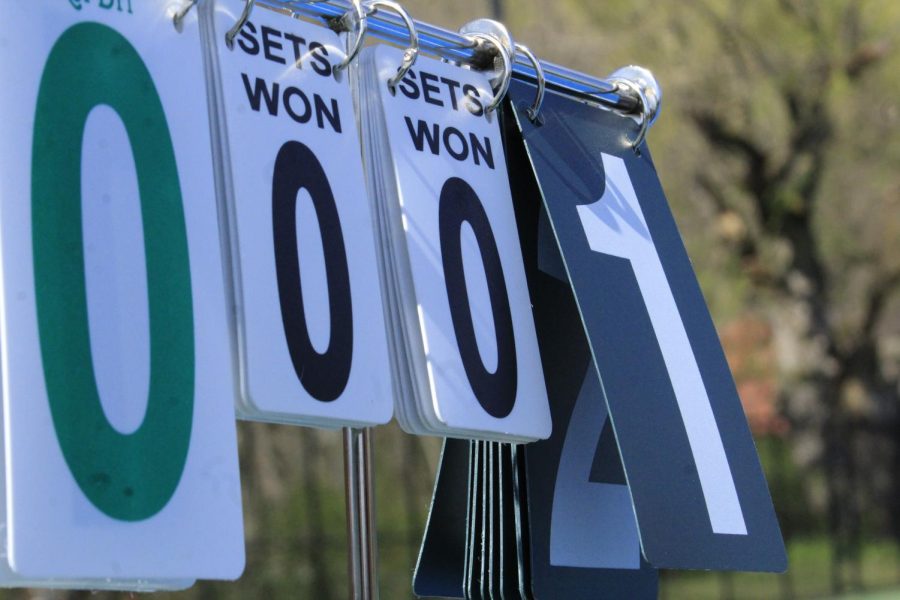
492 40
412 52
646 115
181 13
242 20
640 83
505 78
535 108
359 11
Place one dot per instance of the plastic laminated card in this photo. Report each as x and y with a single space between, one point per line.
308 313
120 456
650 375
462 336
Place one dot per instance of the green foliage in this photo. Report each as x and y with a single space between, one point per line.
807 578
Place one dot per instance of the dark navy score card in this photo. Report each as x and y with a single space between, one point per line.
583 536
695 480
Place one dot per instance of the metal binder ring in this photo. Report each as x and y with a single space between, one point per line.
507 67
242 20
181 13
492 40
359 11
646 112
411 53
535 108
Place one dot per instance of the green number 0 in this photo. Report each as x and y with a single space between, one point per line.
128 477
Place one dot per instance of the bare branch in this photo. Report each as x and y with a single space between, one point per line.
877 302
865 57
756 179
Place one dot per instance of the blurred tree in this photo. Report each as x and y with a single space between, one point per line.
788 108
814 223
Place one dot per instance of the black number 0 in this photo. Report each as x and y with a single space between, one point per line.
496 392
323 375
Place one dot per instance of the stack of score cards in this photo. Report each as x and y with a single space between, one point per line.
477 542
309 319
463 345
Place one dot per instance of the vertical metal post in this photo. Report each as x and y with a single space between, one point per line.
497 10
361 532
367 521
351 487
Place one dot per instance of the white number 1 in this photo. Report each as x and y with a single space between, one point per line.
615 226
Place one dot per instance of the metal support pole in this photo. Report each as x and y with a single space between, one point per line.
367 502
497 10
361 532
351 487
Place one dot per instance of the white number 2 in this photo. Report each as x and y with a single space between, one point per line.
592 524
